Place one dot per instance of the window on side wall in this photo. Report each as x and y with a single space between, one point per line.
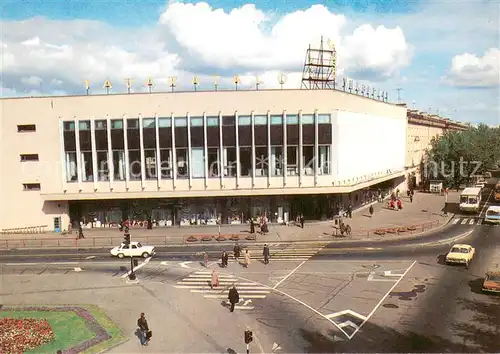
307 119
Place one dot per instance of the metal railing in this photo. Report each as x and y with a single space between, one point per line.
38 229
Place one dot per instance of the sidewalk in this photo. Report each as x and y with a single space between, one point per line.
424 213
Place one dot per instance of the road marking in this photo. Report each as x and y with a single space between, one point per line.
164 263
224 296
480 221
486 204
472 221
346 312
90 257
456 220
184 264
348 323
464 221
387 274
286 277
246 302
146 261
276 347
448 240
381 301
78 269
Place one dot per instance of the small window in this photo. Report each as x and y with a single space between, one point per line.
84 125
292 119
260 120
31 186
117 124
276 120
244 120
148 123
212 121
307 119
134 247
180 122
228 121
29 157
133 123
69 126
164 122
26 128
324 119
197 121
100 124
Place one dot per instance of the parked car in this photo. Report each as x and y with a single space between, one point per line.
491 281
134 249
460 254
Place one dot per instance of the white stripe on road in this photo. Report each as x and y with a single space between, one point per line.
241 292
288 275
486 203
137 268
222 296
464 221
480 221
472 221
456 220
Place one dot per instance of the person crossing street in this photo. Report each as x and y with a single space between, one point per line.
233 297
265 253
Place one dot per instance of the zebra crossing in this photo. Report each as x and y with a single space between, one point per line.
291 253
467 221
199 282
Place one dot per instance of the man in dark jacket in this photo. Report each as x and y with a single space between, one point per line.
224 259
143 329
265 253
233 297
237 251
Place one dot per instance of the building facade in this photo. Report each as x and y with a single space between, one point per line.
195 157
422 128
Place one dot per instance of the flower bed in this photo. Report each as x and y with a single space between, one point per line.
192 239
380 232
411 228
206 238
221 238
391 231
20 335
402 229
234 238
251 237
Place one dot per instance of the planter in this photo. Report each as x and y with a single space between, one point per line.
206 238
234 238
411 228
402 229
251 238
391 231
192 239
380 232
221 238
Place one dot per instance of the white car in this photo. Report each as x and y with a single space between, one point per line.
135 249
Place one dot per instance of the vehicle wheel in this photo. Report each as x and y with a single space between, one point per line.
121 255
145 255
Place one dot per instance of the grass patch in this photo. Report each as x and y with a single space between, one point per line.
116 335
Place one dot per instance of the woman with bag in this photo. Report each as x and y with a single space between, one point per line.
214 282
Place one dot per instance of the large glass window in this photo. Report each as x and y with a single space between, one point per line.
276 161
292 119
87 166
102 166
196 121
148 123
292 160
245 161
164 122
180 122
150 161
324 160
198 162
276 119
182 163
212 121
307 119
71 167
84 125
261 162
133 123
260 120
166 163
134 164
100 124
324 119
69 126
230 162
308 160
119 165
244 120
116 123
213 162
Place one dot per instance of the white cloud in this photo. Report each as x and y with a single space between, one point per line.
469 70
190 39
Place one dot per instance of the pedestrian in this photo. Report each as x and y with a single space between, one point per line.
302 220
349 211
252 226
237 251
80 231
399 204
371 210
142 323
214 281
233 297
265 253
411 198
247 258
223 259
205 259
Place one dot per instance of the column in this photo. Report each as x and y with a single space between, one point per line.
143 159
189 154
111 166
333 149
94 153
174 153
301 151
205 147
270 161
78 154
316 148
253 149
237 149
63 155
125 146
221 153
285 151
158 156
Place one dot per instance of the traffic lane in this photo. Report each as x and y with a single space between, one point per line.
440 308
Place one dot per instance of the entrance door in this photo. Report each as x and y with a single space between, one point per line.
57 224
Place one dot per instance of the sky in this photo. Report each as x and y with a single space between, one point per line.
443 56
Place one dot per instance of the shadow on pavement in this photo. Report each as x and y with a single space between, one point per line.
476 286
441 259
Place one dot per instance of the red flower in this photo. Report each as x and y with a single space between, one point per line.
20 335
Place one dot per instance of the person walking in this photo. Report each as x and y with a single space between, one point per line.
265 253
214 281
237 251
247 258
205 259
142 323
411 196
224 258
233 297
252 226
371 210
302 220
349 211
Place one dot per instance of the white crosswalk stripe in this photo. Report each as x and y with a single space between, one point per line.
293 253
199 282
467 221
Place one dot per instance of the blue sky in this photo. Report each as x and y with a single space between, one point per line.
420 47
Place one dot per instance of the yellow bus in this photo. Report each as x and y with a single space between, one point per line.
497 192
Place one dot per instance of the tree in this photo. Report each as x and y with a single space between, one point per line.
458 156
